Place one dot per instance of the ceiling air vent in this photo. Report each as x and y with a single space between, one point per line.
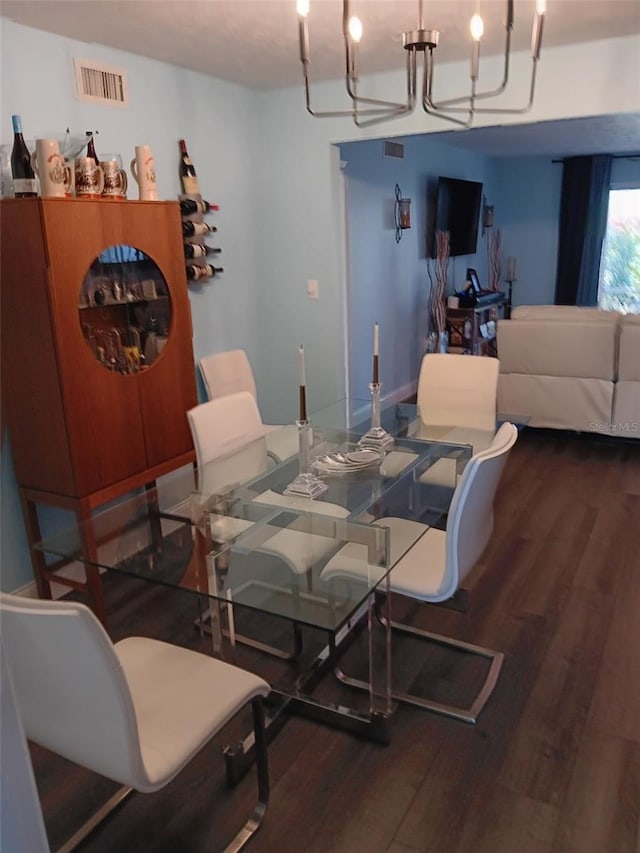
393 149
101 84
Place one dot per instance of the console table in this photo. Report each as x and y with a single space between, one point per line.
472 331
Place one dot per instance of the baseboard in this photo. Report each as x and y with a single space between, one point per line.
75 571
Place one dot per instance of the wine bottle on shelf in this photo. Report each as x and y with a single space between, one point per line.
196 272
24 179
199 250
187 171
91 148
189 206
197 229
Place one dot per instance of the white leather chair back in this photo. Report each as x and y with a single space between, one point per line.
227 372
71 690
470 521
228 436
458 390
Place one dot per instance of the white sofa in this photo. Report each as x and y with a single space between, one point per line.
571 368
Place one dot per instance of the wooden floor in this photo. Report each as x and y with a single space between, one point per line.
553 765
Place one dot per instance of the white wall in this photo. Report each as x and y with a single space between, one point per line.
269 165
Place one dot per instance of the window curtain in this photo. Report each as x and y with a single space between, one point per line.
583 223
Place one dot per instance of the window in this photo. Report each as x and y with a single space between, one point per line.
619 288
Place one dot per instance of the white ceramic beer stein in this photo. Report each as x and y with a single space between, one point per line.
115 178
48 164
143 169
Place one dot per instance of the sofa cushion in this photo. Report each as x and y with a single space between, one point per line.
558 402
578 349
629 351
564 313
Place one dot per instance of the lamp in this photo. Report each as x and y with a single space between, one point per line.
402 214
367 111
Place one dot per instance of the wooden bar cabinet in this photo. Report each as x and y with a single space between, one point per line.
97 357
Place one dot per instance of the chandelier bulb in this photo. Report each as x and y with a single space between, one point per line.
355 29
477 27
302 7
541 6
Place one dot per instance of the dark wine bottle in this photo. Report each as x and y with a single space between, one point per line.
91 148
196 272
190 205
187 171
24 179
197 229
199 250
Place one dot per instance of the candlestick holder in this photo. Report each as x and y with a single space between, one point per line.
507 307
376 436
305 484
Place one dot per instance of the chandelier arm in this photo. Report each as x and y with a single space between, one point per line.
502 110
427 102
404 109
351 80
493 92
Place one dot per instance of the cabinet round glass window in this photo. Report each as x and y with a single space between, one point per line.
125 309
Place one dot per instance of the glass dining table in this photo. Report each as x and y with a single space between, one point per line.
254 555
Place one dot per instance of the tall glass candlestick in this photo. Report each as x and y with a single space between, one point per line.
305 484
376 436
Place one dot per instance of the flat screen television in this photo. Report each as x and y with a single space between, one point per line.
458 212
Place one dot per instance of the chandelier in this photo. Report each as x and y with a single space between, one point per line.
460 110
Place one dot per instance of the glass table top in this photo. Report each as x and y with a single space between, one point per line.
238 537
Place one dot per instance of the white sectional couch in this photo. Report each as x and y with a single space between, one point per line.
571 368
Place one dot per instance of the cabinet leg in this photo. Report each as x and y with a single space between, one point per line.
38 561
92 573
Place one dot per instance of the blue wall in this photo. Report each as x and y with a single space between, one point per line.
275 173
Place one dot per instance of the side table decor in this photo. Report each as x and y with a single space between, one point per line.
306 484
438 338
376 435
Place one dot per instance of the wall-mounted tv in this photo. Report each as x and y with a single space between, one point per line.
457 211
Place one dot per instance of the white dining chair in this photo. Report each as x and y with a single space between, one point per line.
228 372
433 567
136 712
456 399
230 449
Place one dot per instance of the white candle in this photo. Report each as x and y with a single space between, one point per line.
376 339
301 370
511 269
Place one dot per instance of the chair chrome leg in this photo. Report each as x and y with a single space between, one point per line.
262 770
200 623
95 819
467 715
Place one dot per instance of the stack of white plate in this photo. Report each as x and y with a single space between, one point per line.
347 462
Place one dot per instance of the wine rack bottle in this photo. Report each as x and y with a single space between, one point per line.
196 272
199 250
197 229
91 148
187 171
190 205
24 179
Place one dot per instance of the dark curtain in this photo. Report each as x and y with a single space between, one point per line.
583 224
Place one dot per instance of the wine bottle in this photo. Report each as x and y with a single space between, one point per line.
187 171
24 179
197 229
196 272
91 148
199 250
189 206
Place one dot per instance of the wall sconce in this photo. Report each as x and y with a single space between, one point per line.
487 215
402 214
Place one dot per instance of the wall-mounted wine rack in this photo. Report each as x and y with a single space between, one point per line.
193 260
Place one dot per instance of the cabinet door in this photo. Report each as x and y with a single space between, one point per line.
168 388
102 408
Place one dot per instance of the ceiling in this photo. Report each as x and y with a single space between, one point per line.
255 43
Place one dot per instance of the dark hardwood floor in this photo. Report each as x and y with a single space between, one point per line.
553 765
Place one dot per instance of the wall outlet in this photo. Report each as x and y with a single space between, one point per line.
312 288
